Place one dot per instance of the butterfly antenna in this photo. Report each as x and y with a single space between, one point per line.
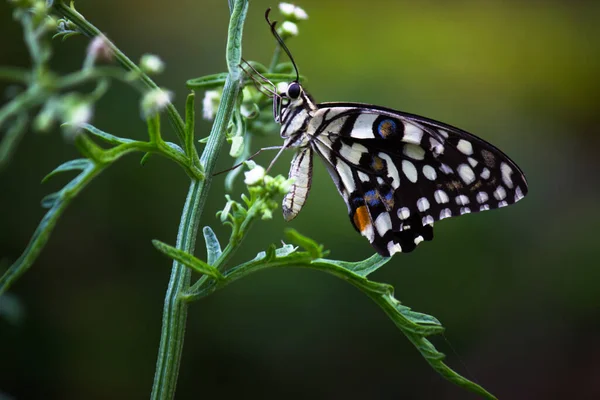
271 92
281 42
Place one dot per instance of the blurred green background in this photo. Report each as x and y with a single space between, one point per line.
517 289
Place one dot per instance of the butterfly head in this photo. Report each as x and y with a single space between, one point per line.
290 97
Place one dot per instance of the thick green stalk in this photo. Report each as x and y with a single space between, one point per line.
175 308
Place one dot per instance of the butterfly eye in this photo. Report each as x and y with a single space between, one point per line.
293 91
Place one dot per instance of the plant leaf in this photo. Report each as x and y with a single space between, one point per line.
57 202
364 267
105 136
313 248
79 164
213 247
187 259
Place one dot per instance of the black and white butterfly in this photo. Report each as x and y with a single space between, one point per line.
398 173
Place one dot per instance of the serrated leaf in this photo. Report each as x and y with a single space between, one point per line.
364 267
417 317
74 165
57 202
213 247
312 247
105 136
187 259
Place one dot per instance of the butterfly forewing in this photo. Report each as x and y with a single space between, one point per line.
399 173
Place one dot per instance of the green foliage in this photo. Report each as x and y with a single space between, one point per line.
237 102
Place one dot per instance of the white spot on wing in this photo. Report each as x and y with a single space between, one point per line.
346 174
413 151
445 213
446 169
461 200
466 174
394 248
436 147
391 170
412 134
465 147
423 204
443 133
353 153
500 193
383 223
368 233
418 240
465 210
409 170
482 197
427 220
403 213
485 173
518 194
363 177
429 172
502 204
484 207
506 174
441 197
473 162
363 127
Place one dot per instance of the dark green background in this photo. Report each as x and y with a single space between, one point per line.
517 289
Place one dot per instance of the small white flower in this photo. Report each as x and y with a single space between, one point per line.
282 87
292 11
75 114
155 100
210 103
255 175
289 29
98 49
152 64
80 114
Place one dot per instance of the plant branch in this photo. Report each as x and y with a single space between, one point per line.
91 31
175 308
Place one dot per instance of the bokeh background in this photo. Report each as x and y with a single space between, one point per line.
517 289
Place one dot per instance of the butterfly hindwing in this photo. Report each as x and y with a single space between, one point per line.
399 173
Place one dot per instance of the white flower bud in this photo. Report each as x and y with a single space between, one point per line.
255 175
289 29
151 64
210 103
79 114
292 12
282 87
98 49
155 100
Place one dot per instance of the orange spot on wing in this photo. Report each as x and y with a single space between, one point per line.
377 163
361 218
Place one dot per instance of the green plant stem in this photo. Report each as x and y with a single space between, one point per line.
15 74
44 230
175 307
91 31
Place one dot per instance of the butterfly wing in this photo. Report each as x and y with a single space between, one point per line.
399 173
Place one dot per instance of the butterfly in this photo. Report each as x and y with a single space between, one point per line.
397 172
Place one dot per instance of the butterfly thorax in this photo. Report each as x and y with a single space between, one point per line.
295 116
